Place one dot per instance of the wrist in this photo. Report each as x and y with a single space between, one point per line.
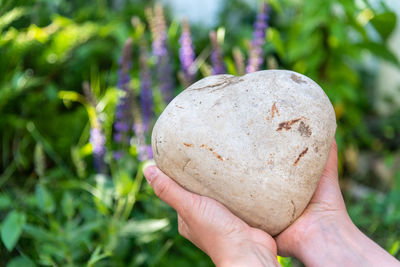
339 242
245 254
324 240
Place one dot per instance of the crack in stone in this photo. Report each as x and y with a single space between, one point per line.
186 163
208 86
156 145
226 82
293 212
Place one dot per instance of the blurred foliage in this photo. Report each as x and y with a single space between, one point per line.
56 211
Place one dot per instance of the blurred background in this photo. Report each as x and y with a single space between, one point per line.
82 83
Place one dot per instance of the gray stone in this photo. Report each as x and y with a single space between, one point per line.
256 143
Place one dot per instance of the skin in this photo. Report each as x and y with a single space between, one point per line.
324 233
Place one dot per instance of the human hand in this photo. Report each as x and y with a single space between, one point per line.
228 240
325 235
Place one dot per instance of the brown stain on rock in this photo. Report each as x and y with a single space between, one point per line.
296 79
287 125
212 150
179 107
315 147
274 110
187 144
300 156
304 130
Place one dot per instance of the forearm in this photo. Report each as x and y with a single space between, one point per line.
341 243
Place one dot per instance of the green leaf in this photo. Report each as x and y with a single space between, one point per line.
5 202
230 66
67 205
97 256
40 160
20 261
285 262
135 228
39 234
276 5
44 199
77 160
123 184
12 228
395 248
274 37
384 24
381 51
173 29
11 16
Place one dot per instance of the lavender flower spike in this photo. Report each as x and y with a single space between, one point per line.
146 94
123 114
144 150
186 53
256 55
97 140
218 66
160 51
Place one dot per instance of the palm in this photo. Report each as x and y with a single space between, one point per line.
211 217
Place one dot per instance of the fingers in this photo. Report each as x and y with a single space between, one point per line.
167 189
328 195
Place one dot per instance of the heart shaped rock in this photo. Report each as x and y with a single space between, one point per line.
256 143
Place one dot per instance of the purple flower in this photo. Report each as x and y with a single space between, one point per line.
98 141
256 55
218 65
125 65
160 51
164 76
186 53
146 94
97 138
159 32
144 150
121 126
123 113
117 155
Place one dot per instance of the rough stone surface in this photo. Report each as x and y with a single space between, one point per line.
256 143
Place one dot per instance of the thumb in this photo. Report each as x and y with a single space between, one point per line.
167 189
331 167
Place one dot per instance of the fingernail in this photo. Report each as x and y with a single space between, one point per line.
150 173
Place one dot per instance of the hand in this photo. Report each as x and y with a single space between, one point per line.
325 235
326 206
228 240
